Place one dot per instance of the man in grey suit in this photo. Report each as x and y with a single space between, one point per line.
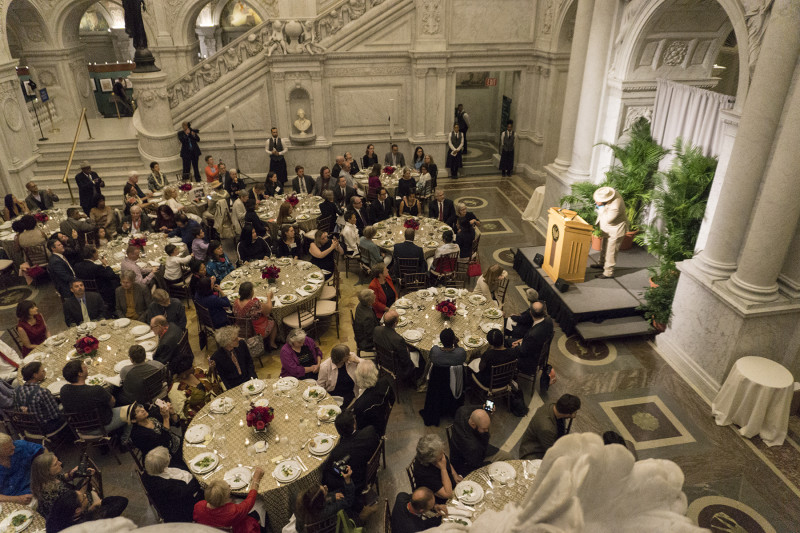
408 250
132 295
389 342
38 200
83 306
395 158
78 221
169 336
61 272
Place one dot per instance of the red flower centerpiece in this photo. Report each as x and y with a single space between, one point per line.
41 217
259 417
447 308
411 223
388 170
87 346
270 273
138 241
186 187
293 200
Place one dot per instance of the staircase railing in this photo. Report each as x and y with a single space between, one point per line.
81 120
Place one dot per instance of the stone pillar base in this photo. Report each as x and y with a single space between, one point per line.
158 140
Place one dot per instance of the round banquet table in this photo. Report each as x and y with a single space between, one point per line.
389 182
233 441
418 312
757 397
293 278
428 235
152 256
306 212
53 224
496 498
8 509
110 352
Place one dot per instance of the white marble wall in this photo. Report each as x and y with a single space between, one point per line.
473 22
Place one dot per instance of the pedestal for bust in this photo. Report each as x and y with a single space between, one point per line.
158 140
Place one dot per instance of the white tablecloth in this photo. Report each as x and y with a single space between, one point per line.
756 396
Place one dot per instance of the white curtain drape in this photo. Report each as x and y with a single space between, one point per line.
688 112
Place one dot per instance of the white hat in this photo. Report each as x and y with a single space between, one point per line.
604 194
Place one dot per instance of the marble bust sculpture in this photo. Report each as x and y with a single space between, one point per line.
302 123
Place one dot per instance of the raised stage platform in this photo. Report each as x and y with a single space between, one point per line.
596 308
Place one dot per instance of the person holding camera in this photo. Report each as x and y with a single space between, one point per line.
190 150
318 503
354 450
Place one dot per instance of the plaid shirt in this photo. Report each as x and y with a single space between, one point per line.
38 400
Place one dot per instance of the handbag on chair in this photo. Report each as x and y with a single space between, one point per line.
474 269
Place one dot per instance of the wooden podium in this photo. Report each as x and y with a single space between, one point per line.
569 238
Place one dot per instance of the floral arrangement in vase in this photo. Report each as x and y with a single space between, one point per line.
259 417
411 223
185 187
388 170
87 346
41 217
293 200
138 241
270 273
447 308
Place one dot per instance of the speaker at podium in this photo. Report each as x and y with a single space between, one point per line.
569 239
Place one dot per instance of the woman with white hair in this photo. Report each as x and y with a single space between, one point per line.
218 510
174 490
377 397
432 468
232 358
337 374
300 356
468 216
171 198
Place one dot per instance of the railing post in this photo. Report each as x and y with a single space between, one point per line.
72 152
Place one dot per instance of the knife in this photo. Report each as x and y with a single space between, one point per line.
301 463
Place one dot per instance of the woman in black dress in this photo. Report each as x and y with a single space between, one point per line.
433 170
152 428
410 204
287 245
464 238
251 217
322 252
252 247
370 157
432 468
272 186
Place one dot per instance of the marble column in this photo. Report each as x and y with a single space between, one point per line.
420 74
158 139
777 212
594 76
572 96
760 118
71 90
18 150
789 278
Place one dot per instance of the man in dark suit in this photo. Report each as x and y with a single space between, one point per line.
535 339
442 208
323 182
190 150
78 221
39 200
382 207
136 222
169 336
171 308
342 193
388 341
184 227
83 306
395 158
132 298
359 445
362 218
408 250
58 267
89 184
302 184
102 274
408 511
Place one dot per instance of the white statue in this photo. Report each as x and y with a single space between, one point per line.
307 39
276 40
585 486
302 123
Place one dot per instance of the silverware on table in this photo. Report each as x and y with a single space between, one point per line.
301 463
208 475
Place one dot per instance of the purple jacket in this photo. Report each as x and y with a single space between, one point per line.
290 364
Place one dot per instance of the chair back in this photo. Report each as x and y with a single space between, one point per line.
415 282
327 525
245 324
28 425
449 432
155 385
204 317
502 375
473 256
458 280
149 498
373 464
184 348
406 265
35 255
325 223
544 356
363 260
410 474
502 288
372 194
445 263
386 363
387 517
15 337
88 427
90 285
161 283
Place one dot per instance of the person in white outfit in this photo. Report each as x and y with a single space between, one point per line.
613 222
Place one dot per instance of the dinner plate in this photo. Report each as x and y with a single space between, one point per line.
7 523
309 288
122 364
400 311
87 326
254 386
142 264
149 346
493 312
450 292
196 433
286 383
55 387
327 413
121 322
462 520
303 217
287 471
283 261
469 492
97 379
473 342
104 337
486 327
315 276
321 444
228 284
431 244
238 478
387 243
314 393
55 340
175 240
287 298
140 330
402 321
261 402
412 335
501 471
222 405
205 462
403 303
424 293
73 353
477 299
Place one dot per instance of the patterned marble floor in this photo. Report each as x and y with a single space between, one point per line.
624 385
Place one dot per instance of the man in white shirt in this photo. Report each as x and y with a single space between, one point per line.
38 200
10 361
277 148
302 184
129 263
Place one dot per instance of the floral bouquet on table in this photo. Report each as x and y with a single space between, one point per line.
292 200
388 170
447 308
41 217
185 187
411 223
259 417
138 241
270 273
87 346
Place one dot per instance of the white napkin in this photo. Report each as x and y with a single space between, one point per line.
276 302
475 365
114 380
452 510
301 292
510 324
148 335
414 358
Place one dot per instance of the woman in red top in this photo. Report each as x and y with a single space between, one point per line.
382 286
30 326
217 510
212 170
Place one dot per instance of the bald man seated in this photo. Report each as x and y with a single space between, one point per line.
416 512
470 446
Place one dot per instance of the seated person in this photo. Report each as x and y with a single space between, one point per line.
357 444
448 247
470 446
323 252
445 391
192 388
82 306
136 222
350 233
155 427
31 397
78 397
96 269
392 344
489 282
218 510
535 340
497 354
232 359
383 207
300 356
252 247
337 374
199 244
16 458
170 308
169 339
217 305
10 362
316 503
133 299
133 376
173 490
130 264
432 468
383 287
549 423
218 264
287 245
372 254
518 325
409 251
365 321
185 229
251 217
376 399
174 265
71 508
248 306
416 512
